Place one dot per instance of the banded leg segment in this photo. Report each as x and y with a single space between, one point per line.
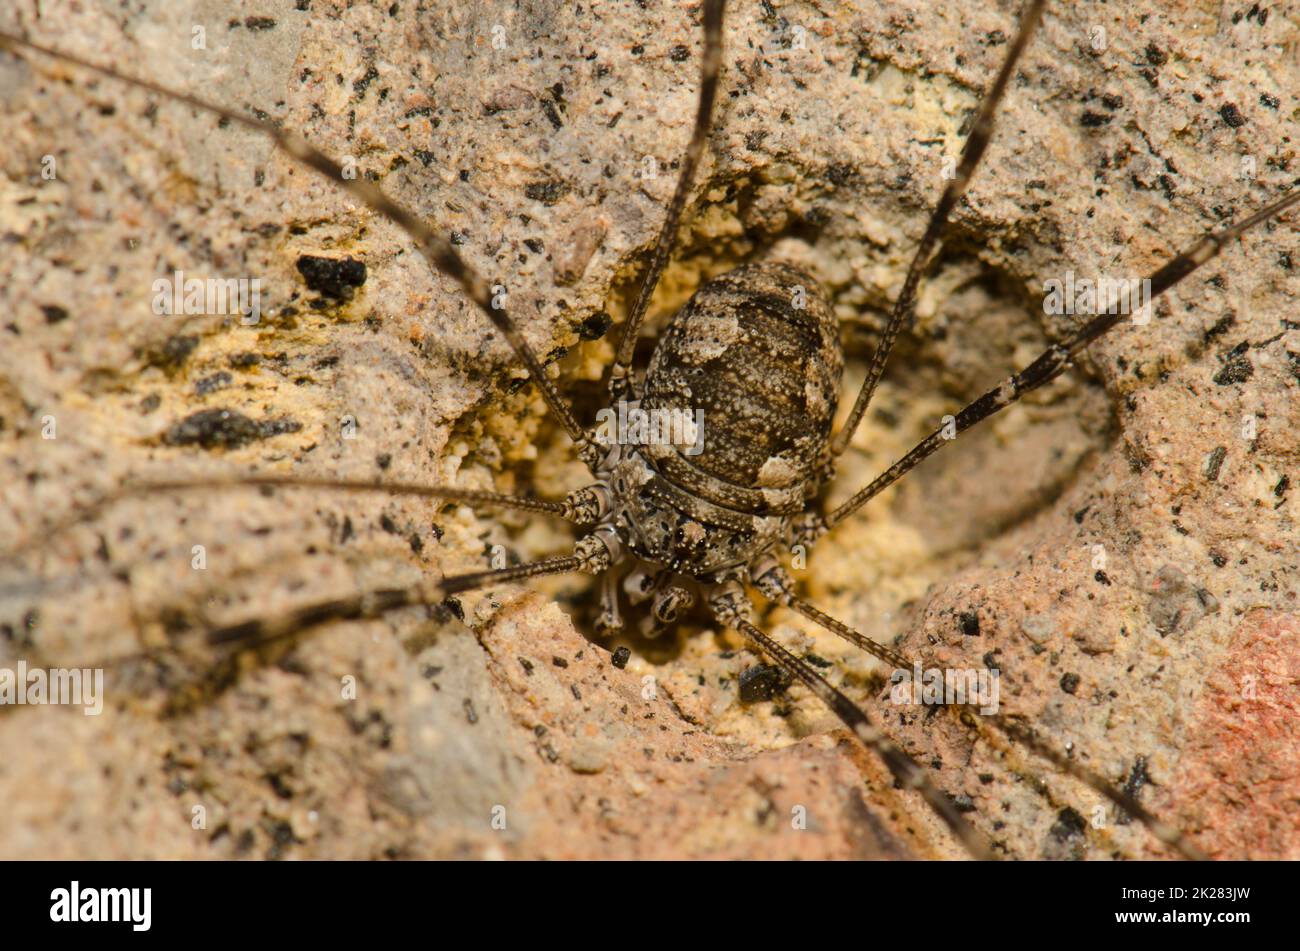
1051 362
583 506
976 145
1027 738
775 584
900 765
263 632
620 380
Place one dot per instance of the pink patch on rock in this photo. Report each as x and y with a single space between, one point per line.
1237 787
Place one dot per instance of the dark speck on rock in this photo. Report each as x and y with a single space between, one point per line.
1068 824
1214 462
224 429
1137 778
1237 370
336 279
1232 115
762 682
838 173
277 427
620 657
1171 607
552 114
54 314
548 193
175 351
595 326
210 384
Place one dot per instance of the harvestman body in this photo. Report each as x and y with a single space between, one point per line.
757 351
765 373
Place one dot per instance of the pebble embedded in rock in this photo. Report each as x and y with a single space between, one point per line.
1039 628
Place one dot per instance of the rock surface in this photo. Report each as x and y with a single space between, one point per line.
1122 546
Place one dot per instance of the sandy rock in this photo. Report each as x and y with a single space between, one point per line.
1143 503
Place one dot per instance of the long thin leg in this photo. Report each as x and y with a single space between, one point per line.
776 585
1048 365
229 641
260 632
437 251
620 381
583 506
570 509
860 641
976 144
263 632
1030 740
903 767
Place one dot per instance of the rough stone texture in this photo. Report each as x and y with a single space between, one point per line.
831 147
1242 747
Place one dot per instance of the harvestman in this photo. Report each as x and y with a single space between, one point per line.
711 523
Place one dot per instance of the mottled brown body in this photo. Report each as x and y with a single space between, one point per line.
757 352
